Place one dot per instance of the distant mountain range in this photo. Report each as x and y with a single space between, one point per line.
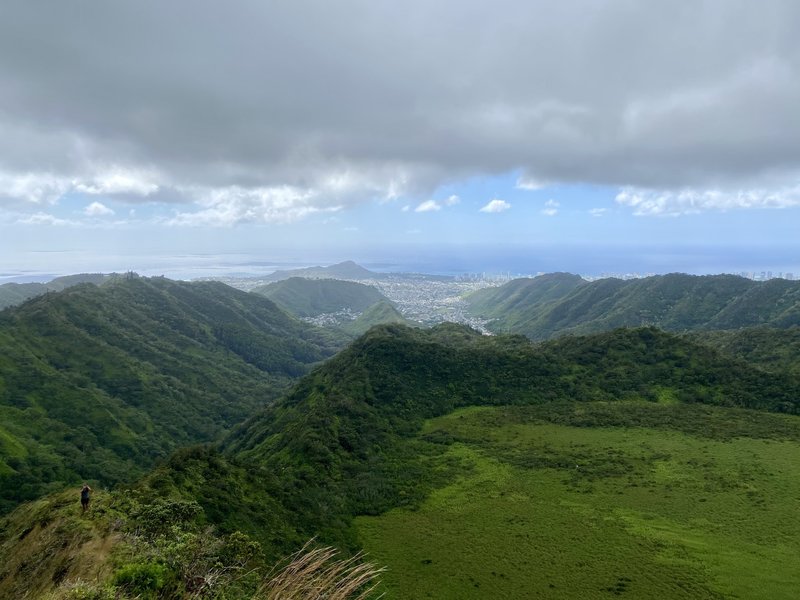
12 294
348 270
343 270
560 303
100 382
16 293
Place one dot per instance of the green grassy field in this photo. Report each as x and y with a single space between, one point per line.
582 501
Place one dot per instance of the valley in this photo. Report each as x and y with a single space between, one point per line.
630 462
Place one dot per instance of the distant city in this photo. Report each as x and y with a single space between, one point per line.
431 300
508 276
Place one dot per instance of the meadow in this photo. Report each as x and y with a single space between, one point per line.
600 500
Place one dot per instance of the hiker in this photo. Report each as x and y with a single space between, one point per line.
85 496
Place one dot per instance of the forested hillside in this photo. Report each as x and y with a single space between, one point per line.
514 301
772 349
349 440
98 383
558 304
311 297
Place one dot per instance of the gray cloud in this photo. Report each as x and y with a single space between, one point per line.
343 102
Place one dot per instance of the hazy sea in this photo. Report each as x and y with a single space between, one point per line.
510 260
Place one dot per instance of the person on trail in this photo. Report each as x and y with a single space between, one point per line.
85 496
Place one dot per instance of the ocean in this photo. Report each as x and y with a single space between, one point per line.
510 260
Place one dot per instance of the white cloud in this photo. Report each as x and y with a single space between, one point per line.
496 206
550 208
434 205
225 207
597 212
428 206
672 203
41 187
530 184
728 121
97 209
116 180
41 218
36 188
406 208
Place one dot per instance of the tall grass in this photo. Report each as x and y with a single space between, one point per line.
318 574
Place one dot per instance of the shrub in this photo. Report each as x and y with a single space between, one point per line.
143 580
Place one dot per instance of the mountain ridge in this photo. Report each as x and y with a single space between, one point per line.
99 382
673 302
12 294
344 270
310 297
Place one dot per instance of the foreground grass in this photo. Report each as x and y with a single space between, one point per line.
700 504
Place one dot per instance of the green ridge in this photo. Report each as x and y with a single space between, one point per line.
382 312
312 297
16 293
100 382
559 304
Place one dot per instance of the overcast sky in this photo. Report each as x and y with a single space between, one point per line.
152 126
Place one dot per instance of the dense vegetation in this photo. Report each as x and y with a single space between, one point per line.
559 304
512 301
771 349
16 293
99 382
130 547
311 297
351 440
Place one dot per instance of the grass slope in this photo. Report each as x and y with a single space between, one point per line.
312 297
50 541
99 382
675 302
643 504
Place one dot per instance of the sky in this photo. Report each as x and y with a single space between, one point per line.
451 135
